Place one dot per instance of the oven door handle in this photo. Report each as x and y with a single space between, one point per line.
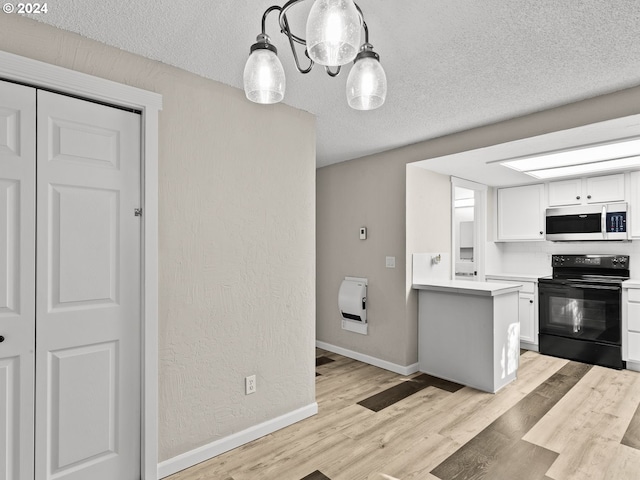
593 287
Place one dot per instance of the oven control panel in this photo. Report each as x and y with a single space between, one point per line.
591 261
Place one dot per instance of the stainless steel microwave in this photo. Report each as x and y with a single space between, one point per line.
588 222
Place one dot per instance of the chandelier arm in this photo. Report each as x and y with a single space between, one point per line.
284 24
364 24
287 32
330 73
264 16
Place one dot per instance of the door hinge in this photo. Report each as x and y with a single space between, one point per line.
137 212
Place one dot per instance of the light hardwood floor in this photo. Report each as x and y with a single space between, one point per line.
577 437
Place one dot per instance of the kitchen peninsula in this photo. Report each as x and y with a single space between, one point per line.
468 332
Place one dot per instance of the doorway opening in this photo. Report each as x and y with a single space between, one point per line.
468 229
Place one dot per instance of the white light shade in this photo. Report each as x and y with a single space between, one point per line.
366 85
264 80
592 153
333 32
587 168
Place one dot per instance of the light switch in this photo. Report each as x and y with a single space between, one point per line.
391 262
363 233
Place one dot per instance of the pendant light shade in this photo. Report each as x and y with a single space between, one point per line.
333 32
367 82
264 80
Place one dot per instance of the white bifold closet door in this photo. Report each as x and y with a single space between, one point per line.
17 279
87 296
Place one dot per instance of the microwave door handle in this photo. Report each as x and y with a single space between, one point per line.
603 221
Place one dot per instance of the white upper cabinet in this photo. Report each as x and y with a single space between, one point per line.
521 213
634 206
566 192
605 189
609 188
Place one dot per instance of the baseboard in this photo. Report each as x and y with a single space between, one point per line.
376 362
213 449
633 366
529 346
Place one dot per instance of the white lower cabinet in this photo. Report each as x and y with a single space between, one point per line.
634 347
527 318
631 324
527 311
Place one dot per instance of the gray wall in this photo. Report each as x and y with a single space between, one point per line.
371 191
236 235
363 193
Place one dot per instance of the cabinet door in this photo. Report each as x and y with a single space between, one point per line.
635 204
634 347
521 213
605 189
565 192
527 318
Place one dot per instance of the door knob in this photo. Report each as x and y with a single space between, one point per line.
1 339
578 197
530 301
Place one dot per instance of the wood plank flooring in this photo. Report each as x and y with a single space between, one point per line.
559 420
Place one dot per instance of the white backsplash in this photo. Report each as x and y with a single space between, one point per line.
535 257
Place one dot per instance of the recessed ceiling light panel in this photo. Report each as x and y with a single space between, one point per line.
585 168
595 153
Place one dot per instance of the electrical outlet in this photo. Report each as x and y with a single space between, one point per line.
250 384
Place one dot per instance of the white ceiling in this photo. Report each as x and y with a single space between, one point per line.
451 64
483 165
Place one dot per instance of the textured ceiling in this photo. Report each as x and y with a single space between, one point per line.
451 64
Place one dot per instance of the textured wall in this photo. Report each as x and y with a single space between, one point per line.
428 213
237 224
371 190
363 193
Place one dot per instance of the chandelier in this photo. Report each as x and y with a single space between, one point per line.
333 39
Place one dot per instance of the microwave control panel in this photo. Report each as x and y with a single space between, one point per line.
616 222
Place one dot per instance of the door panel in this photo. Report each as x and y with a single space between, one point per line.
93 367
17 279
88 291
85 266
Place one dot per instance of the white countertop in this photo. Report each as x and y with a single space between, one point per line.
631 283
467 287
517 277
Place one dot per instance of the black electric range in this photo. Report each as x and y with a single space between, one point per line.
580 308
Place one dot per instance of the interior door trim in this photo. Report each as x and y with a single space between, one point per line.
39 74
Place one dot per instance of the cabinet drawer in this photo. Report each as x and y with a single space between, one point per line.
634 346
634 295
633 316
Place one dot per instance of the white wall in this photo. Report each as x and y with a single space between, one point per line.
236 239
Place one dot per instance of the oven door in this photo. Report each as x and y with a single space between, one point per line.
581 311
